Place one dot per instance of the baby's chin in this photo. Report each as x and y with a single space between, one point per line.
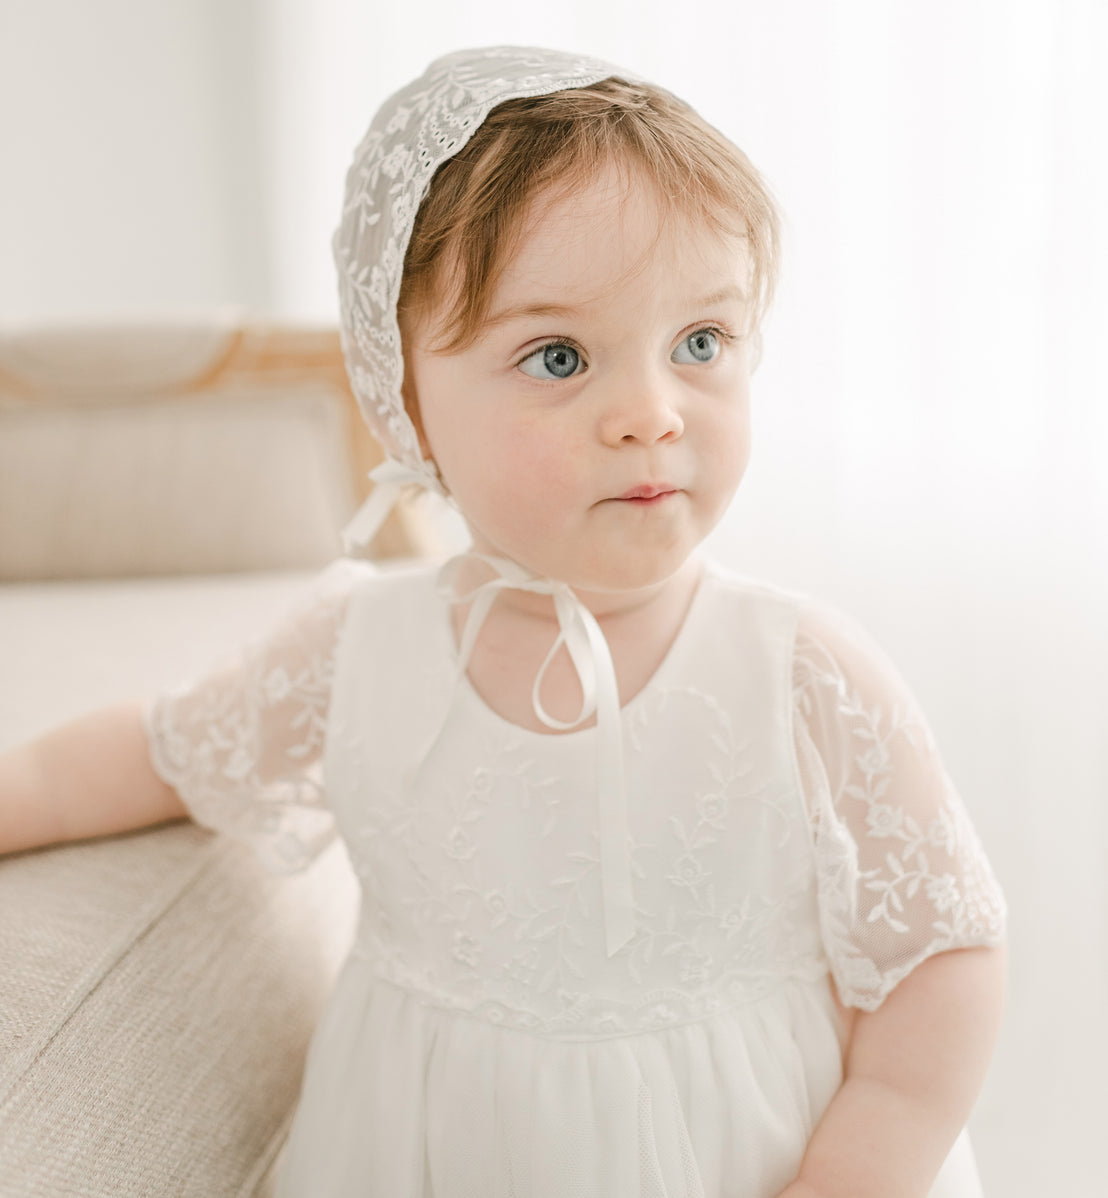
631 582
608 578
616 586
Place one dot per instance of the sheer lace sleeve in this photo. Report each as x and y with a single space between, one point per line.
242 745
902 874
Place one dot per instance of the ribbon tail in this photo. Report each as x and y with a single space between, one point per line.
369 517
592 659
615 848
389 479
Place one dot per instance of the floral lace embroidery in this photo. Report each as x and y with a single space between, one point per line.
517 946
897 865
902 872
242 746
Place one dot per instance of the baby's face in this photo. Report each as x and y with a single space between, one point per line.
598 427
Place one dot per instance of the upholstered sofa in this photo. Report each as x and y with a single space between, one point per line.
165 490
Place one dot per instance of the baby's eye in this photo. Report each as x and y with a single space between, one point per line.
557 361
701 346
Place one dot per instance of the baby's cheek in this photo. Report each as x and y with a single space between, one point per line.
501 483
543 459
727 451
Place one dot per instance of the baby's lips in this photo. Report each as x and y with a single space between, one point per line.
647 491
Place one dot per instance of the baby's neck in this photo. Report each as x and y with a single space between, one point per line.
640 628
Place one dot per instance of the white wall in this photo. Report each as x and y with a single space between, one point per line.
131 177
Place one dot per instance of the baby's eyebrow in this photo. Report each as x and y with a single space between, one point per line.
526 311
732 292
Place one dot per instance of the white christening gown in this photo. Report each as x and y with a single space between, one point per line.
790 823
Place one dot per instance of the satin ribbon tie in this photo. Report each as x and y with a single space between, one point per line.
588 649
389 479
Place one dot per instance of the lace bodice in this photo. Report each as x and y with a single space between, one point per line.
875 869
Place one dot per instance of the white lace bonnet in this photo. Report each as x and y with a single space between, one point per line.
413 133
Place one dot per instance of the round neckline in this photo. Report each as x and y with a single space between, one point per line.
668 663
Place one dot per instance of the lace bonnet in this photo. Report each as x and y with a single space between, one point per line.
413 133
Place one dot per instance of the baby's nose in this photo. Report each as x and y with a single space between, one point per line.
644 410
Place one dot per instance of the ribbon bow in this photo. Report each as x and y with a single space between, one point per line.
588 649
591 657
390 478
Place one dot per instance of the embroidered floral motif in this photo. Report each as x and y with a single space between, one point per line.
902 874
242 746
466 949
728 860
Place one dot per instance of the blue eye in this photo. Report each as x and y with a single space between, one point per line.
558 361
701 346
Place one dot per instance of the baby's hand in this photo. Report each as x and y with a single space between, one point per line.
911 1074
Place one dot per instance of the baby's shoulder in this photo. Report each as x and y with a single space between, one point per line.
398 578
832 652
394 601
737 590
404 571
814 613
820 629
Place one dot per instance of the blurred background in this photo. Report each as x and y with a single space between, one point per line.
931 414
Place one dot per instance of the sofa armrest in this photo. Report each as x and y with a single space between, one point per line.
157 996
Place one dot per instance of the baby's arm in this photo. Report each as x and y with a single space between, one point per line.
911 914
230 748
913 1070
90 777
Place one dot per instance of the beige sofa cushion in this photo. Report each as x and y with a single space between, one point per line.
176 447
157 990
157 995
190 486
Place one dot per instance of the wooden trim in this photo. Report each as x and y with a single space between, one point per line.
284 354
262 355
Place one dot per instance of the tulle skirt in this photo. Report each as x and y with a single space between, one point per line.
406 1100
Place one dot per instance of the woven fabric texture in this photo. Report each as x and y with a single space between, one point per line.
157 995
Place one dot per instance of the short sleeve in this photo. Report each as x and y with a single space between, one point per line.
242 745
901 872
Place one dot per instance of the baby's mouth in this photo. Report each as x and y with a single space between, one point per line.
648 493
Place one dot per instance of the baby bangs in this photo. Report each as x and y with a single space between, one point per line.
472 215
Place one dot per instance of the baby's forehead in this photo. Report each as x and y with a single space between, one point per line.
567 239
610 232
615 192
603 287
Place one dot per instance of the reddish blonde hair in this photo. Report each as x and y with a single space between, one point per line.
472 215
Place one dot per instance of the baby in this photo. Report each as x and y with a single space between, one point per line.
665 890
